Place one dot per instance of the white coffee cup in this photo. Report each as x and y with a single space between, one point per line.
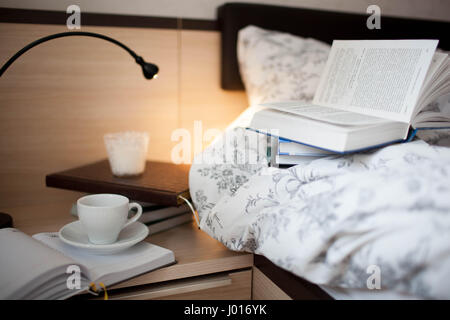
103 216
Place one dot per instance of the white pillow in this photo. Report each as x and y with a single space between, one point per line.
277 66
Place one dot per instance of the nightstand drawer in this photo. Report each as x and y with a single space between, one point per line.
233 285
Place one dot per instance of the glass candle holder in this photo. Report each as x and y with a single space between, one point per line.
127 152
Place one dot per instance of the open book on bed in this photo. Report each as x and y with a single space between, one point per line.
371 93
39 267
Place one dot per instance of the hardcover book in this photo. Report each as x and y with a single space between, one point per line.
161 183
371 93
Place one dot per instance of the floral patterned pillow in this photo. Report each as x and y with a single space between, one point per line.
277 66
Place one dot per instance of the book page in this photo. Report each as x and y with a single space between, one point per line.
112 268
437 83
325 114
381 78
27 265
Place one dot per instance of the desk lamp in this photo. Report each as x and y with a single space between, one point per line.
149 70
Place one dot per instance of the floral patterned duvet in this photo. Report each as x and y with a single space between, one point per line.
332 221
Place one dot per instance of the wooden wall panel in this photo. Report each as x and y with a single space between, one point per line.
60 98
201 97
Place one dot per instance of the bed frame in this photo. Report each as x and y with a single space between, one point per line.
325 26
318 24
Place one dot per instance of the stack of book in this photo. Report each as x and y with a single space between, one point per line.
160 218
371 93
160 190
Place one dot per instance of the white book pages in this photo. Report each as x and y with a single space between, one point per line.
325 114
27 266
113 268
380 78
164 213
297 149
437 83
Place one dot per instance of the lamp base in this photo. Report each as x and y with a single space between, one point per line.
5 220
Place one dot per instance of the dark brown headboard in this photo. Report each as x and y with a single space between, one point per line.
322 25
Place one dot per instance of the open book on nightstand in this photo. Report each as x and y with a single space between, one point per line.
39 267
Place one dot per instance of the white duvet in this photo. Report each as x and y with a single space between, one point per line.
333 220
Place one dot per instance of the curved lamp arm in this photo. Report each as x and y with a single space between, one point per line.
149 70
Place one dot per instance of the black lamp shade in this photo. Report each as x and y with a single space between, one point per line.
150 70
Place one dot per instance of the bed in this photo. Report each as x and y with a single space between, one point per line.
323 230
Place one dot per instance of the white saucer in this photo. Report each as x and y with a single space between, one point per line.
74 235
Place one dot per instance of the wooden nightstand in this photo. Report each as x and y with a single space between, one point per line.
205 269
